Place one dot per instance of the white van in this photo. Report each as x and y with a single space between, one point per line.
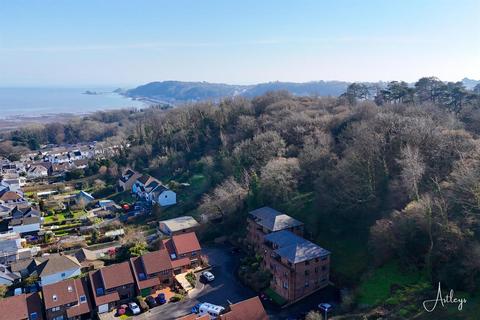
212 310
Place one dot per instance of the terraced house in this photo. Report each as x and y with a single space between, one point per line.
152 271
298 266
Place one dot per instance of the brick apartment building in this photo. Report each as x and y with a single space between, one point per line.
265 220
298 266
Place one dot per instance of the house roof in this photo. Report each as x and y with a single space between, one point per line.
15 307
185 243
273 220
56 263
138 270
85 255
144 179
22 265
25 221
10 196
117 275
156 261
294 248
180 223
85 195
65 292
96 283
7 274
251 309
35 304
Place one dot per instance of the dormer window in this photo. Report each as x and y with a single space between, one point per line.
141 276
173 256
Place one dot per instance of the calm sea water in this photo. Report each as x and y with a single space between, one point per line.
34 102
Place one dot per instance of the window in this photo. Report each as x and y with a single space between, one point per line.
100 291
316 269
33 316
141 276
55 309
63 275
54 297
83 299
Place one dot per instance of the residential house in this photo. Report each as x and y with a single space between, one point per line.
12 183
265 220
127 179
20 212
152 271
182 246
84 198
299 267
7 277
153 191
14 248
22 307
178 225
80 164
67 299
56 267
112 286
37 171
89 260
5 212
12 198
28 225
251 309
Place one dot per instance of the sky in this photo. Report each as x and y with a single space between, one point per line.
127 43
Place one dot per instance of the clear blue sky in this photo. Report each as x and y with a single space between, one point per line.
118 42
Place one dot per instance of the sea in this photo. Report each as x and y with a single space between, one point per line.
38 102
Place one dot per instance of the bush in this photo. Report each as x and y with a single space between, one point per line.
191 278
142 304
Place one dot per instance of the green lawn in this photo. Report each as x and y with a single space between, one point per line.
375 288
49 219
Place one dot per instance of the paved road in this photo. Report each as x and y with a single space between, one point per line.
224 289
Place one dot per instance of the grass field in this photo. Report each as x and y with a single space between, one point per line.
375 288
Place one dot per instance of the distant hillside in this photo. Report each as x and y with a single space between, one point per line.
173 92
470 83
178 91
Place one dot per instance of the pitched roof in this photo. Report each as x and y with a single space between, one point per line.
16 307
180 223
66 292
294 248
185 243
141 278
156 261
11 196
56 263
117 275
35 304
96 283
144 179
251 309
273 220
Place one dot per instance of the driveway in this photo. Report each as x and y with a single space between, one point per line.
223 290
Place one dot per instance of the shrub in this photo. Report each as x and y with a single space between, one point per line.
142 304
191 278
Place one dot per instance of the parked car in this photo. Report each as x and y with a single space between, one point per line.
161 299
121 311
151 301
134 308
208 276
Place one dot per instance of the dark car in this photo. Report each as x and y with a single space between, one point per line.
161 299
151 301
